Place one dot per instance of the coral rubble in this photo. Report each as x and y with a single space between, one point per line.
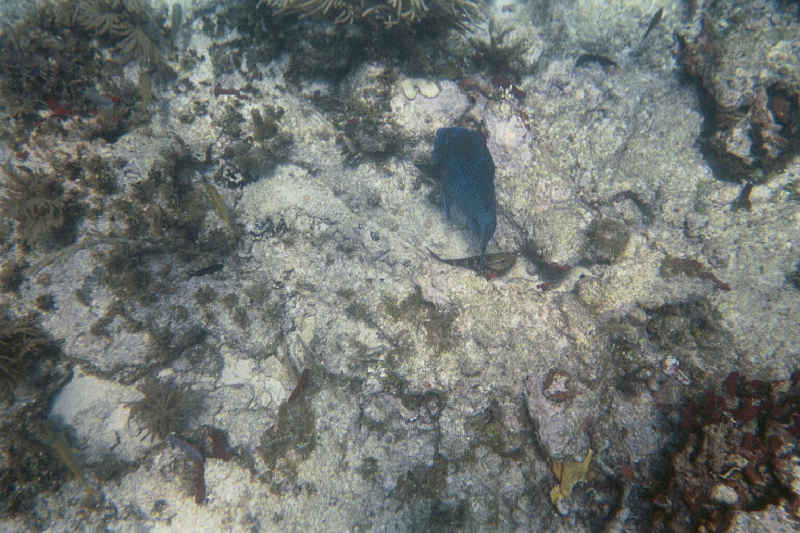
750 79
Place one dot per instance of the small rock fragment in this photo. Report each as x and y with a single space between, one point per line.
724 494
672 367
557 386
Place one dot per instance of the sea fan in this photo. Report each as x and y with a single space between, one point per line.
120 19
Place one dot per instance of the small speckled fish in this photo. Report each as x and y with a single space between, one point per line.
487 265
467 177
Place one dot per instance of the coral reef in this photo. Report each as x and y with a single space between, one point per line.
253 321
740 453
49 61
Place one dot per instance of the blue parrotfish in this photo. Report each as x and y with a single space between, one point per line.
466 173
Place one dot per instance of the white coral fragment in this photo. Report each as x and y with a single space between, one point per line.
672 367
427 88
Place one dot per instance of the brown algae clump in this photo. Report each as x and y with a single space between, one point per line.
44 212
569 473
22 344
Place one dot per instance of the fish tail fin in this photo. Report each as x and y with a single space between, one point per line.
433 255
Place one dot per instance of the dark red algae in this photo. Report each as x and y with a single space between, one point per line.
744 436
730 382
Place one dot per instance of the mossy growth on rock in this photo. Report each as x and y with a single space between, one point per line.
423 481
362 109
125 270
606 240
688 326
12 274
485 429
794 276
632 371
421 491
162 224
31 468
435 322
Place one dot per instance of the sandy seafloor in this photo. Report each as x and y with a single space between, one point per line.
429 405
